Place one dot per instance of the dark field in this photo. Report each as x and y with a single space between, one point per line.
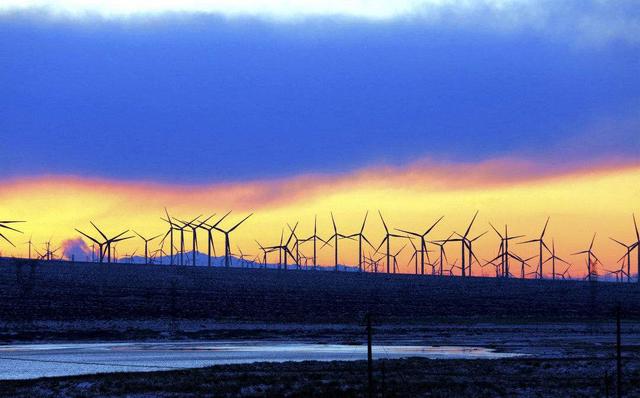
32 291
393 378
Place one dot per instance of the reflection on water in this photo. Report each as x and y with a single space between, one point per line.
25 361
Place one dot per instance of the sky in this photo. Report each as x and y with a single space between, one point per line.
280 107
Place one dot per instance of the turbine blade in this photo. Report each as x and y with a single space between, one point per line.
471 224
10 228
98 229
335 229
383 223
433 226
220 220
87 236
7 239
545 228
479 236
408 232
364 221
494 228
243 220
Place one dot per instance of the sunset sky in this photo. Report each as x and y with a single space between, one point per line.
112 110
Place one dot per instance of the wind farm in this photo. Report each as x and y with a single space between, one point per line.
169 299
268 198
291 248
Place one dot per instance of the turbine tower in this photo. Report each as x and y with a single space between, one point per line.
636 246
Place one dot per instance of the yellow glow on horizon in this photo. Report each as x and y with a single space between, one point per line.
579 203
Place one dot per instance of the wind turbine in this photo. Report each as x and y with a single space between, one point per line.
265 251
472 255
175 227
387 239
30 245
541 245
496 266
50 254
590 255
361 237
452 267
146 245
194 225
523 263
619 273
563 274
283 248
314 238
181 229
109 241
463 244
395 258
3 225
129 256
227 244
94 240
443 254
242 256
504 253
296 244
626 256
172 227
210 244
423 242
158 253
373 263
306 261
335 238
553 259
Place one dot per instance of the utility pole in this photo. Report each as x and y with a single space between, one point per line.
369 355
618 356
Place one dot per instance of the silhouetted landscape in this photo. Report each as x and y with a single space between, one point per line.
319 198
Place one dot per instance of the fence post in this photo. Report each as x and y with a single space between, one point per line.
618 355
369 355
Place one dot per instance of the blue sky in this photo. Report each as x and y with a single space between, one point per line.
221 94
